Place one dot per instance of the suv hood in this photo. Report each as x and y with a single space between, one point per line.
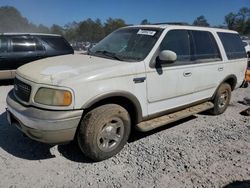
56 70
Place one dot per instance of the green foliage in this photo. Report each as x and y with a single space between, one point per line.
12 23
145 22
201 21
113 24
11 20
90 30
239 21
56 29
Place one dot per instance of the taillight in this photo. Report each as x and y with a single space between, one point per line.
247 77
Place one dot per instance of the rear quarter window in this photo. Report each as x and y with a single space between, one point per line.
233 45
57 43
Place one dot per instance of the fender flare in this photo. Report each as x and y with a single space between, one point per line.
129 96
223 81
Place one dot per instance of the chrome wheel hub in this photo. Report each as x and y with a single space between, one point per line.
223 99
110 135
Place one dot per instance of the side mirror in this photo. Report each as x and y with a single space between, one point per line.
167 56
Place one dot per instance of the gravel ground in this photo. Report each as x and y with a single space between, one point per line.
200 151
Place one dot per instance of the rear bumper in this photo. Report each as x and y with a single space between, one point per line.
43 125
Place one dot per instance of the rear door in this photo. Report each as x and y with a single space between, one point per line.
4 58
4 52
208 67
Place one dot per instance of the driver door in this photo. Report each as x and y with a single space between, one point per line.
169 85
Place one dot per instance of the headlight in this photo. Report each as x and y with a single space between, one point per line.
53 97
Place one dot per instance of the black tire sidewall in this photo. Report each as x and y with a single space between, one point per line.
93 122
218 110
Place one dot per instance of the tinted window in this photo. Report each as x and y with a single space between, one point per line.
233 45
57 43
3 44
39 46
23 44
178 42
205 46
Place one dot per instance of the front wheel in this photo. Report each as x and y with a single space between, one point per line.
104 131
221 99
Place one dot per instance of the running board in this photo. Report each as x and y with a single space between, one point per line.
170 118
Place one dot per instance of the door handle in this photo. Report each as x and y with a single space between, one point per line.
139 80
220 69
187 74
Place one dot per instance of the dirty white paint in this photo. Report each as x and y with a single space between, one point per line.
59 69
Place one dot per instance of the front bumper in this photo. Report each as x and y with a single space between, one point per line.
46 126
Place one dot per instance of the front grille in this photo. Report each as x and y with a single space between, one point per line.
22 90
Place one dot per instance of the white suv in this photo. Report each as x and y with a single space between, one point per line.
138 76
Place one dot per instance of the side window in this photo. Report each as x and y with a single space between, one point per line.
205 46
233 45
178 42
23 44
3 44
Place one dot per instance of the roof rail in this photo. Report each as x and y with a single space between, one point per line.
29 34
170 23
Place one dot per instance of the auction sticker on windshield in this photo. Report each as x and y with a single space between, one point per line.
146 32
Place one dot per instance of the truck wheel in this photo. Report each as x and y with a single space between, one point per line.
104 131
221 99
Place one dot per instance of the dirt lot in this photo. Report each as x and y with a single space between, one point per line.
200 151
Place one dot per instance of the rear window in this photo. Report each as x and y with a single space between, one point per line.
205 46
57 43
233 45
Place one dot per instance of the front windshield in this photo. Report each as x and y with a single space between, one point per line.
127 44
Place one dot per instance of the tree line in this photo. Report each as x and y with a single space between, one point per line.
90 30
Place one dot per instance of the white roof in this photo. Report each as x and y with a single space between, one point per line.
189 27
43 34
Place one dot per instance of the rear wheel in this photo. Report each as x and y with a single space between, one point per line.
222 99
104 131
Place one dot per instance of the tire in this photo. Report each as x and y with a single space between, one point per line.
104 131
221 99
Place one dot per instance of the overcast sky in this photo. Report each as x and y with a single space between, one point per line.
61 12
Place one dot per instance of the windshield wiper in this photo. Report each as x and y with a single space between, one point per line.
108 54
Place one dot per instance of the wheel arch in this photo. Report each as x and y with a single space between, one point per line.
231 80
125 99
